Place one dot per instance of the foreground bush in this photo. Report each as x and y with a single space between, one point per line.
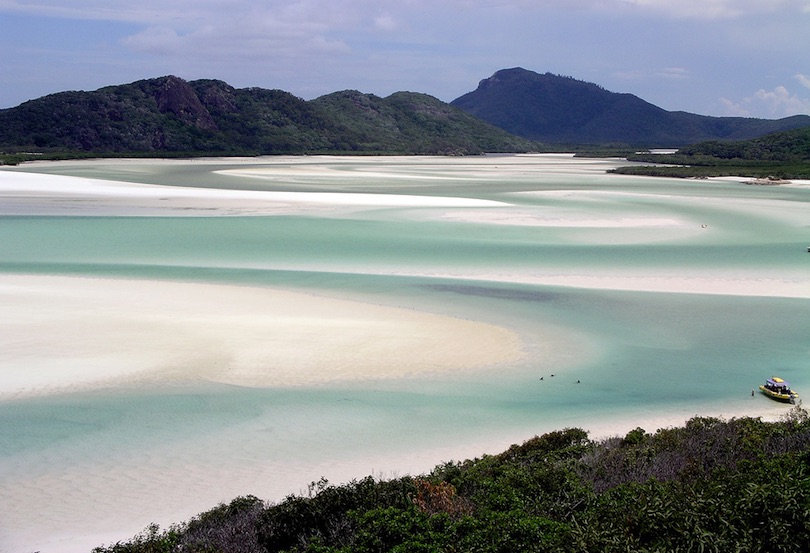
712 485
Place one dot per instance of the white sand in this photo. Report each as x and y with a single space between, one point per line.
525 218
802 183
59 333
40 194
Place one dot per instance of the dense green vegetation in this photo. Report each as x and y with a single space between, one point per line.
782 155
557 109
712 485
414 123
169 116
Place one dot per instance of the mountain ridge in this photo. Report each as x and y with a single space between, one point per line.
514 110
560 109
169 114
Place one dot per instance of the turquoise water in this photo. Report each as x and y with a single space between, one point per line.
635 354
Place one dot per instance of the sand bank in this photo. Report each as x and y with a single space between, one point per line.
40 194
523 217
802 183
60 333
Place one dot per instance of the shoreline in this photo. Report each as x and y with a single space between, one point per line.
101 530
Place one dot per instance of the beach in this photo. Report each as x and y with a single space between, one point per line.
177 333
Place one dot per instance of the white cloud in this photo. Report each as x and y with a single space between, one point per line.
385 22
734 109
803 79
715 9
154 40
780 101
244 31
673 73
776 103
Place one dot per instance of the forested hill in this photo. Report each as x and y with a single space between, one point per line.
168 114
712 485
411 122
556 109
515 110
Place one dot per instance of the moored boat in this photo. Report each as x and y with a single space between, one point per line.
778 389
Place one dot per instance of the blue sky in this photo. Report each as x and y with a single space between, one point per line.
712 57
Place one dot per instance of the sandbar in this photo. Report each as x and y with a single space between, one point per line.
59 333
24 193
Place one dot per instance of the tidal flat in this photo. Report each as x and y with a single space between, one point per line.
175 333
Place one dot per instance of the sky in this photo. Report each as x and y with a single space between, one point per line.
712 57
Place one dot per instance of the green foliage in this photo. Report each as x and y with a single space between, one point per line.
205 117
711 485
792 145
781 155
151 540
411 123
328 516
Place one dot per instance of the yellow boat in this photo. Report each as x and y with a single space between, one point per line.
778 389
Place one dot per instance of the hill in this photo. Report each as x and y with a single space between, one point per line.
411 122
712 485
168 114
555 109
515 110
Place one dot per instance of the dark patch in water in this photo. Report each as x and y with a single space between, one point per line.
512 294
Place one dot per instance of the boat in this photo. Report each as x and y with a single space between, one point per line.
778 389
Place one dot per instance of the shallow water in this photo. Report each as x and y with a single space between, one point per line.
79 463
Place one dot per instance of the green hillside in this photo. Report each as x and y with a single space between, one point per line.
411 122
557 109
171 116
515 110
